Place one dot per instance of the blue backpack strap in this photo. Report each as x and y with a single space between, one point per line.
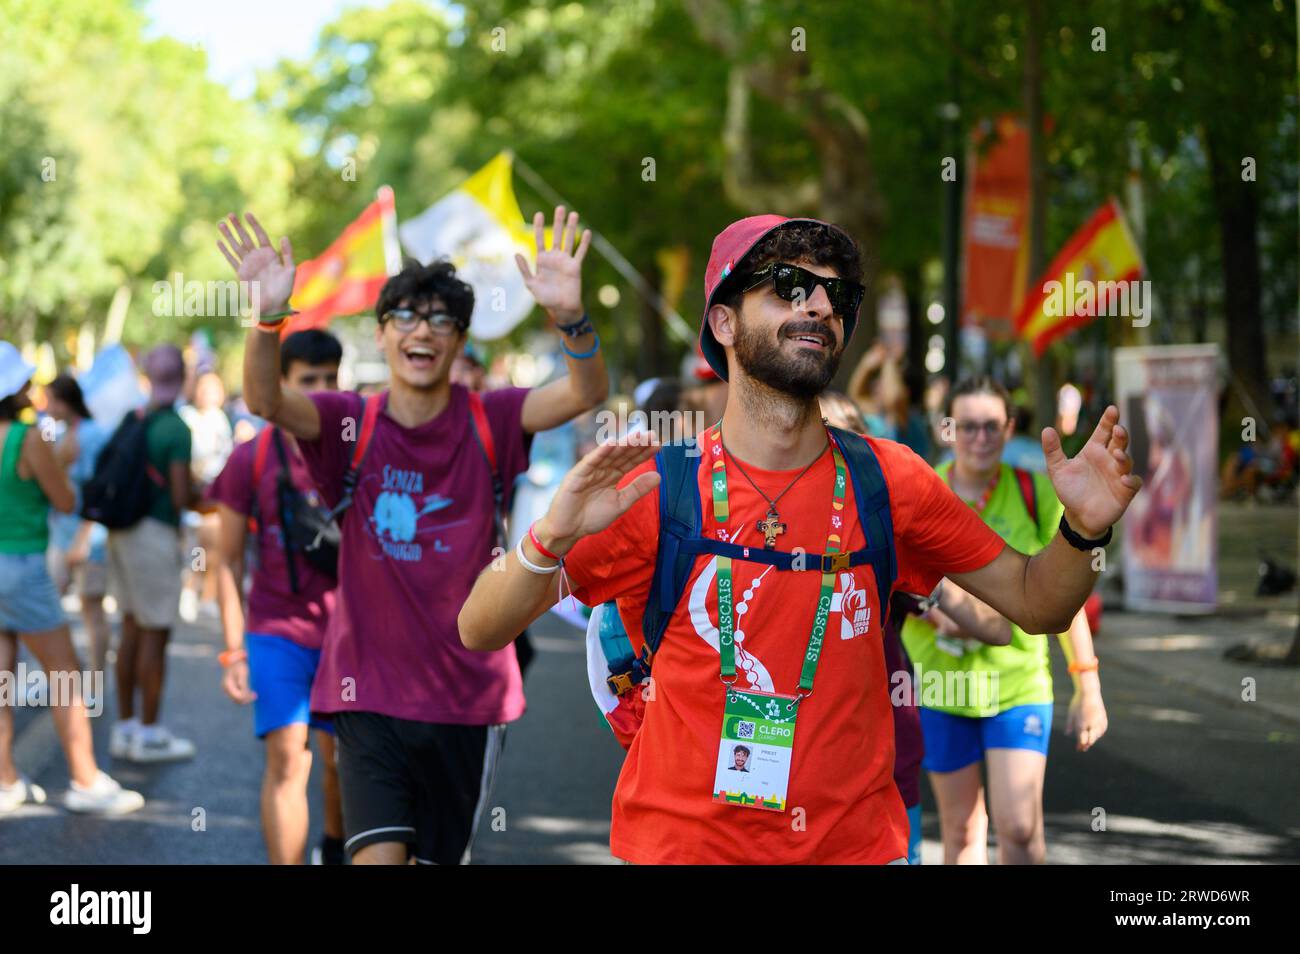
781 559
679 522
871 494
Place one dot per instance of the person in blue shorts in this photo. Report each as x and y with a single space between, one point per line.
992 704
273 650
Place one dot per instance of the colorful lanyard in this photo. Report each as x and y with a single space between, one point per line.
988 491
726 616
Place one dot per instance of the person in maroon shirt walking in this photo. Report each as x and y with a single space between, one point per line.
273 650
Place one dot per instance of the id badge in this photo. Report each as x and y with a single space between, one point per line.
754 754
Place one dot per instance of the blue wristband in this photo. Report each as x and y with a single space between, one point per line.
586 354
579 327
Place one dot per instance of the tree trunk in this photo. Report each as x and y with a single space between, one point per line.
844 190
1236 205
918 329
1032 90
850 198
649 360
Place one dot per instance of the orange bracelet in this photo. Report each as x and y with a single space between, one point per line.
278 320
231 656
1093 666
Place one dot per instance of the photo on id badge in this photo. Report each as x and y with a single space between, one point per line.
754 753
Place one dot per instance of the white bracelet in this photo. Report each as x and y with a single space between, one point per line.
532 567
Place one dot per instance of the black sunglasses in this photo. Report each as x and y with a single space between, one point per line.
791 282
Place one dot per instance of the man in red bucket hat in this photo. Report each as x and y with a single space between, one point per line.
765 558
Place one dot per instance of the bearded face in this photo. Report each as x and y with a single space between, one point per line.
792 350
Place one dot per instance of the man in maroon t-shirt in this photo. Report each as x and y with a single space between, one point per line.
273 651
419 718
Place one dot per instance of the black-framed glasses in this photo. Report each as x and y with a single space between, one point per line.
791 282
968 429
407 320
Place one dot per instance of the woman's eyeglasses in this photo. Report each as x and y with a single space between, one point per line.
968 429
791 281
407 320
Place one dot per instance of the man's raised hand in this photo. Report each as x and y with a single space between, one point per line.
1095 486
589 499
557 283
257 262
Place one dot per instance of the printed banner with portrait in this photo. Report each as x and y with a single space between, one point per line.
1167 398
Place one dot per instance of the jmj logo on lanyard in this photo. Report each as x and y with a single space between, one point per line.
757 742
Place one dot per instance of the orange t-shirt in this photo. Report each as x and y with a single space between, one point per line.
843 805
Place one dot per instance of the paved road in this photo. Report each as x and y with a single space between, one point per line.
1181 778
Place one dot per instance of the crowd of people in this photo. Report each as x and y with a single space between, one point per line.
356 549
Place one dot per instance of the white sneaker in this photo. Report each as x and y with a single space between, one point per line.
119 741
158 745
23 790
104 796
189 605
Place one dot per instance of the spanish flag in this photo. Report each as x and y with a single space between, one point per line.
1094 274
346 278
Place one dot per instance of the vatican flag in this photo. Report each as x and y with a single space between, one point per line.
479 227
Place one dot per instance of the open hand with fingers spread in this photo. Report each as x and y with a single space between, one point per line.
557 283
1095 486
256 261
589 499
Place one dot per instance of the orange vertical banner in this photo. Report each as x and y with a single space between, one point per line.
995 248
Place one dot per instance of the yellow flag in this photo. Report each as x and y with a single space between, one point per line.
480 228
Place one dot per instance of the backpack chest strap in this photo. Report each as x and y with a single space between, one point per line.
780 559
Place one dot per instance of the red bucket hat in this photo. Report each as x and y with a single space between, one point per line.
732 244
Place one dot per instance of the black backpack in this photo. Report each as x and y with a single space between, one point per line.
306 529
124 484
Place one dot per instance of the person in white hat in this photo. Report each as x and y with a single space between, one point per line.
31 480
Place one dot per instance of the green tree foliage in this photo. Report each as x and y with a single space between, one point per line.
120 155
832 109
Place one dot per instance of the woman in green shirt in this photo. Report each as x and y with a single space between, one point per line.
31 481
992 704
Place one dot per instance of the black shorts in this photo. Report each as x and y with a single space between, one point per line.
422 783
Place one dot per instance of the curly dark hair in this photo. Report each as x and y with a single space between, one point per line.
796 242
416 284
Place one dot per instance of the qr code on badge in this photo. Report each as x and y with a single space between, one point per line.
744 730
